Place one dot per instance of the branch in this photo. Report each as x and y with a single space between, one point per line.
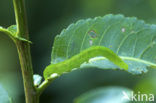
24 52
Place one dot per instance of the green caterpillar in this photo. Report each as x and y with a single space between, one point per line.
84 56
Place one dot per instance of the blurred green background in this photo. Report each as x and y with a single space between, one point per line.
46 19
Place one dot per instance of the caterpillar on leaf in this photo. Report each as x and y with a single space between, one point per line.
84 56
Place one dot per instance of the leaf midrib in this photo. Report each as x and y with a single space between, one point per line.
127 58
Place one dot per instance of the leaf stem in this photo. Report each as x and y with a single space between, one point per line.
47 82
23 48
43 86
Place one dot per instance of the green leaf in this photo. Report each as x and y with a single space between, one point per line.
106 95
132 40
11 31
4 98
